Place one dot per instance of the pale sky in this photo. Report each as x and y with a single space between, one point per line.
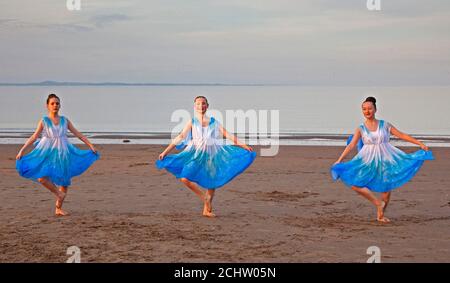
227 41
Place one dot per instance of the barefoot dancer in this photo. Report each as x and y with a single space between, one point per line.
378 166
206 161
54 161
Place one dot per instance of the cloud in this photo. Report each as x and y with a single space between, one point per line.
97 21
201 40
103 20
6 21
69 27
16 24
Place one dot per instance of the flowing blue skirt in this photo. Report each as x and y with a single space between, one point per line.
211 171
59 166
380 174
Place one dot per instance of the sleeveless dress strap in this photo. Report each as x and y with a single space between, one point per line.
363 128
64 125
186 140
360 143
46 121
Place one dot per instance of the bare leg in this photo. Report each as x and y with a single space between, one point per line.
386 197
52 188
380 204
193 187
207 208
59 203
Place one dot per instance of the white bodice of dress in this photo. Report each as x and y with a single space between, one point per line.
205 137
379 136
52 131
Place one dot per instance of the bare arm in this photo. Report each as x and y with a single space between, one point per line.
350 146
80 136
31 140
176 140
233 138
407 138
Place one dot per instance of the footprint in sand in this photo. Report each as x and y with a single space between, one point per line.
276 195
139 164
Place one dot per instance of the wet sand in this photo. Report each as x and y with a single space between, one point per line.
284 208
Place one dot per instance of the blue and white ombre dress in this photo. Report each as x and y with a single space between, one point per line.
206 159
54 157
379 166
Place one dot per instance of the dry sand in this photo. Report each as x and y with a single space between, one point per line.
282 209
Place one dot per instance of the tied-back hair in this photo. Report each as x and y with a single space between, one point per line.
201 96
373 100
52 95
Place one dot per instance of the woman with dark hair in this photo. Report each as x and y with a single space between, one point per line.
378 166
206 160
54 160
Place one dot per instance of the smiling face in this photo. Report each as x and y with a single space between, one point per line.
53 105
201 105
369 110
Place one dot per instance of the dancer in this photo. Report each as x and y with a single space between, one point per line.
54 160
206 160
378 166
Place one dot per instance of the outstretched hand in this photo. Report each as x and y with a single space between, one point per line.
424 147
19 155
247 147
161 156
93 148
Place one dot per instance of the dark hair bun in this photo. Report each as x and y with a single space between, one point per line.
371 99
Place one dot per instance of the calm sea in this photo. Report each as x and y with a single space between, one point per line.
302 110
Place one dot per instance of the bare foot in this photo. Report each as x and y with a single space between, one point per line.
60 212
380 213
384 220
207 208
208 214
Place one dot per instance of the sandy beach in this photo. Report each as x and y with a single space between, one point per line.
284 208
